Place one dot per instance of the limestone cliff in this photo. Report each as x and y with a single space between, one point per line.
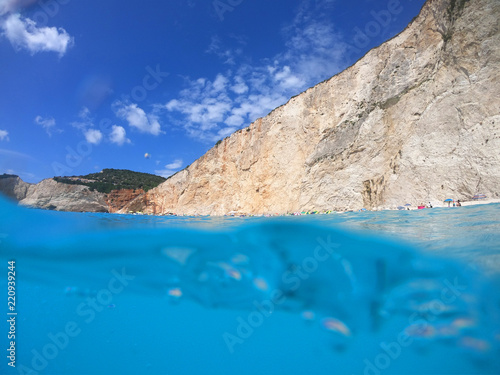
13 187
415 120
107 191
52 195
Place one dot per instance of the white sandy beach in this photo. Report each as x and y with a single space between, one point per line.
480 201
464 203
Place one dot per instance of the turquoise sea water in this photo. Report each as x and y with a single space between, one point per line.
394 292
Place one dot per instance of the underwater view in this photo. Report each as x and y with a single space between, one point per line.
393 292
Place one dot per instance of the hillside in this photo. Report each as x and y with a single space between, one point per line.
106 191
417 119
114 179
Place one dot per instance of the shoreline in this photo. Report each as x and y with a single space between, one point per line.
479 202
303 213
330 212
464 204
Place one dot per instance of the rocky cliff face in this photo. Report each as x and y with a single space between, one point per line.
415 120
49 194
52 195
118 199
13 187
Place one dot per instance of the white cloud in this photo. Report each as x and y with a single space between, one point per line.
86 126
118 135
84 113
85 121
227 55
49 124
317 51
175 165
137 118
224 132
4 135
287 79
220 83
170 169
93 136
234 120
205 104
212 110
209 109
23 33
239 86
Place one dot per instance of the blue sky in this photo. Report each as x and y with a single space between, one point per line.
152 85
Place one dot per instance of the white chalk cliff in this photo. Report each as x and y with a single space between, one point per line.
415 120
53 195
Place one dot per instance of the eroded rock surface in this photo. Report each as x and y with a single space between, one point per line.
415 120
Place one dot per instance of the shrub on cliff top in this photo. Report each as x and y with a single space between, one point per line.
114 179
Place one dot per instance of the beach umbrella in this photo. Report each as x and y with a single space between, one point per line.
407 204
401 208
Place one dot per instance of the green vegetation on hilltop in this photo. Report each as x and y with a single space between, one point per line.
5 175
113 179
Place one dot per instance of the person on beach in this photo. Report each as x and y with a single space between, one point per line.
458 203
429 205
